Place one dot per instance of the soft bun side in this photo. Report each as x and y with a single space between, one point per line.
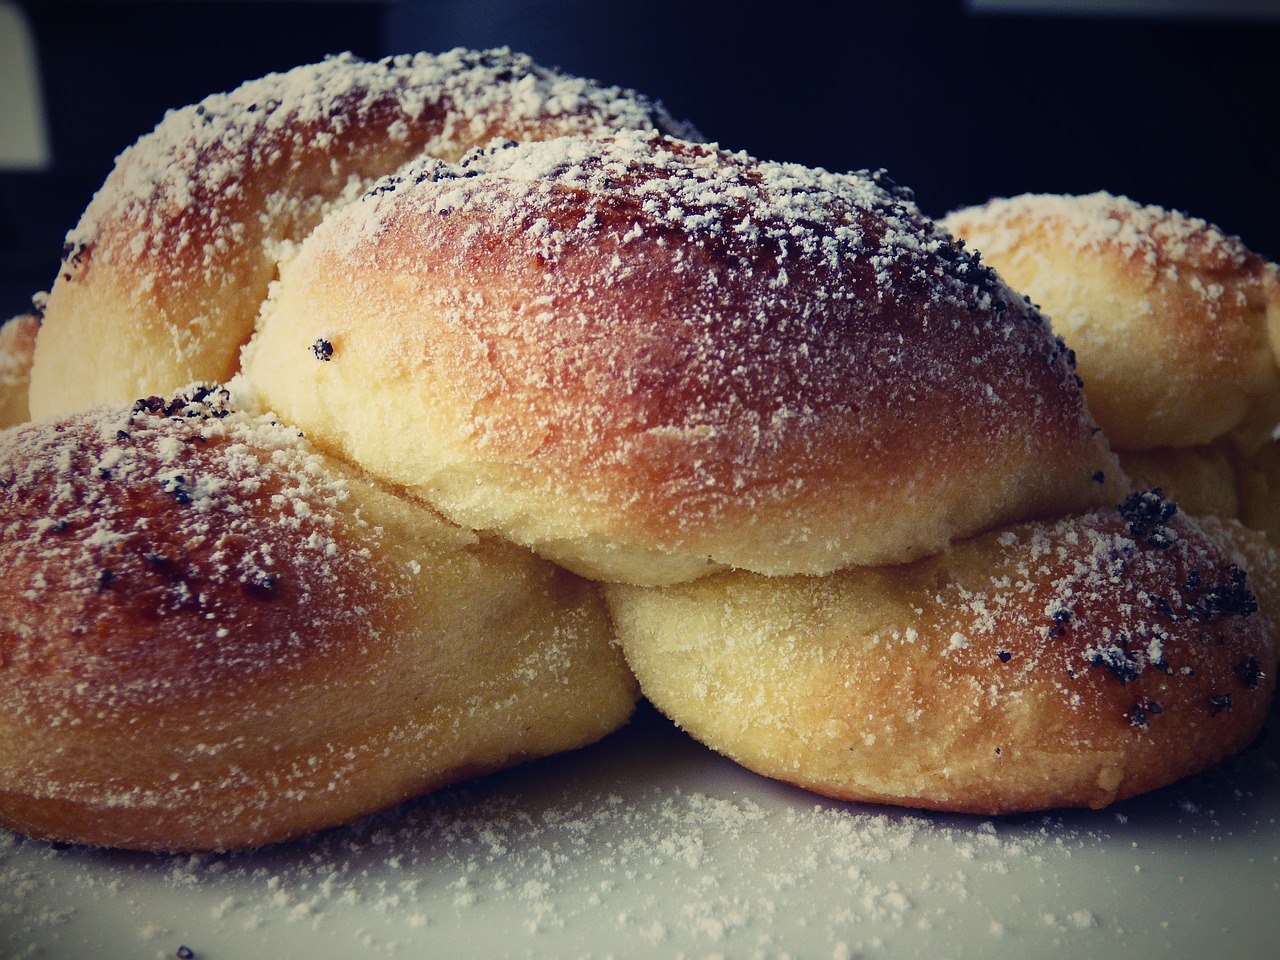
211 636
1174 323
648 359
164 274
17 348
1067 663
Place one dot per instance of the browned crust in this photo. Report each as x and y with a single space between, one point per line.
212 637
1072 663
163 276
660 345
1170 317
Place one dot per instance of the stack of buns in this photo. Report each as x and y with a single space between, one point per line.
435 404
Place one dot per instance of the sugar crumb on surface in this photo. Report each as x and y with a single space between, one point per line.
659 867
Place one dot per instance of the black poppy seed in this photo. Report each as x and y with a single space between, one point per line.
1219 702
323 349
1229 599
1147 512
1004 656
1250 672
72 253
1140 714
261 585
177 488
1116 659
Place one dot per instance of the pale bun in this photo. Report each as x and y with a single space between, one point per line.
648 359
1056 664
17 347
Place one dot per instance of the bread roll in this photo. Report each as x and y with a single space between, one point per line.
163 276
1174 323
1175 326
212 636
649 359
1066 663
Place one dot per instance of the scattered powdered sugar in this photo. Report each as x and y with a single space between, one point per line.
17 340
676 341
1145 233
176 512
668 850
89 473
1034 235
201 157
806 218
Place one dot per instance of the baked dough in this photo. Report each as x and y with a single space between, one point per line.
1176 327
1174 323
17 347
212 636
164 274
648 359
1067 663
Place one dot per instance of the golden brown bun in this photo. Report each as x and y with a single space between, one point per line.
1174 323
648 359
17 346
164 274
1065 663
1260 490
212 636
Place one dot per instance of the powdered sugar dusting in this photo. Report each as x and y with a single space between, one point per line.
175 254
201 152
806 216
650 846
191 506
1161 243
17 337
670 342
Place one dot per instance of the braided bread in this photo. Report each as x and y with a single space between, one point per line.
853 520
1062 663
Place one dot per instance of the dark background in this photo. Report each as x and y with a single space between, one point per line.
959 105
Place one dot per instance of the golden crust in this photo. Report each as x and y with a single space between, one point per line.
1068 663
165 272
1171 319
212 636
648 359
